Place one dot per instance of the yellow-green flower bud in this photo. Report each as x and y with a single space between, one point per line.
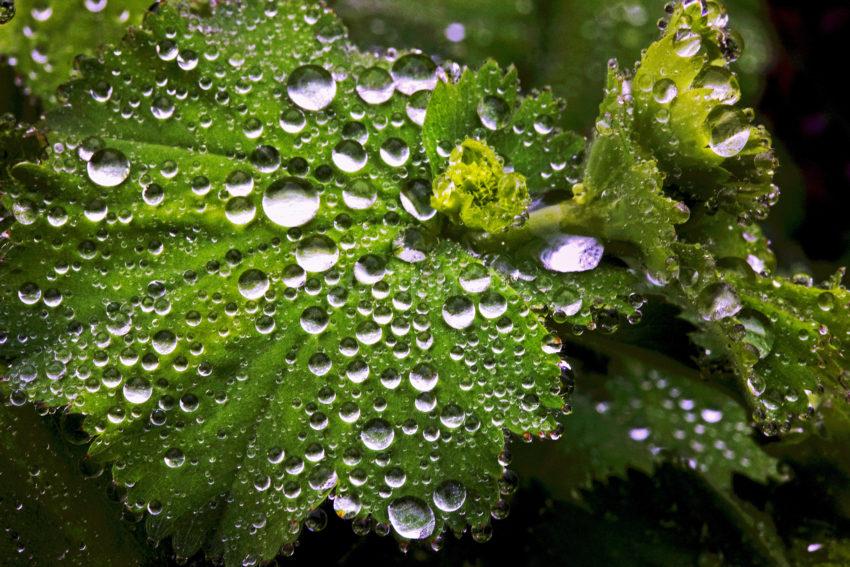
475 190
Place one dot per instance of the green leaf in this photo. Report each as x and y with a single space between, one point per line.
54 504
45 36
226 262
788 346
685 96
620 182
637 416
581 36
486 105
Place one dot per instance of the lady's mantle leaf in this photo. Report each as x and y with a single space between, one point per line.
686 114
45 36
226 263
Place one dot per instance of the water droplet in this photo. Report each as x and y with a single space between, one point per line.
664 91
411 517
370 269
458 312
314 320
164 342
475 278
412 245
414 72
137 390
711 415
292 121
349 156
174 458
375 86
394 152
311 87
639 433
424 377
492 305
719 301
417 106
108 168
347 506
686 43
729 129
291 202
359 195
253 284
416 199
569 253
240 210
449 496
29 293
239 183
377 434
722 83
265 158
493 112
317 253
162 107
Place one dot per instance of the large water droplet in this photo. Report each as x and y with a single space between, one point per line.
729 129
475 278
349 156
411 517
493 112
359 195
370 269
719 301
375 85
569 253
137 390
416 199
347 506
449 496
239 183
164 342
317 253
240 210
377 434
414 72
311 87
394 152
291 202
458 312
314 320
424 377
253 284
108 168
174 458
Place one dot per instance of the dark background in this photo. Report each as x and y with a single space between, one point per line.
807 106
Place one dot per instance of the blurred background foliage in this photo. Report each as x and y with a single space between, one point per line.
623 505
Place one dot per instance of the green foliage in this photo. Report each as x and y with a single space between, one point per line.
54 503
226 247
475 190
257 337
45 36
